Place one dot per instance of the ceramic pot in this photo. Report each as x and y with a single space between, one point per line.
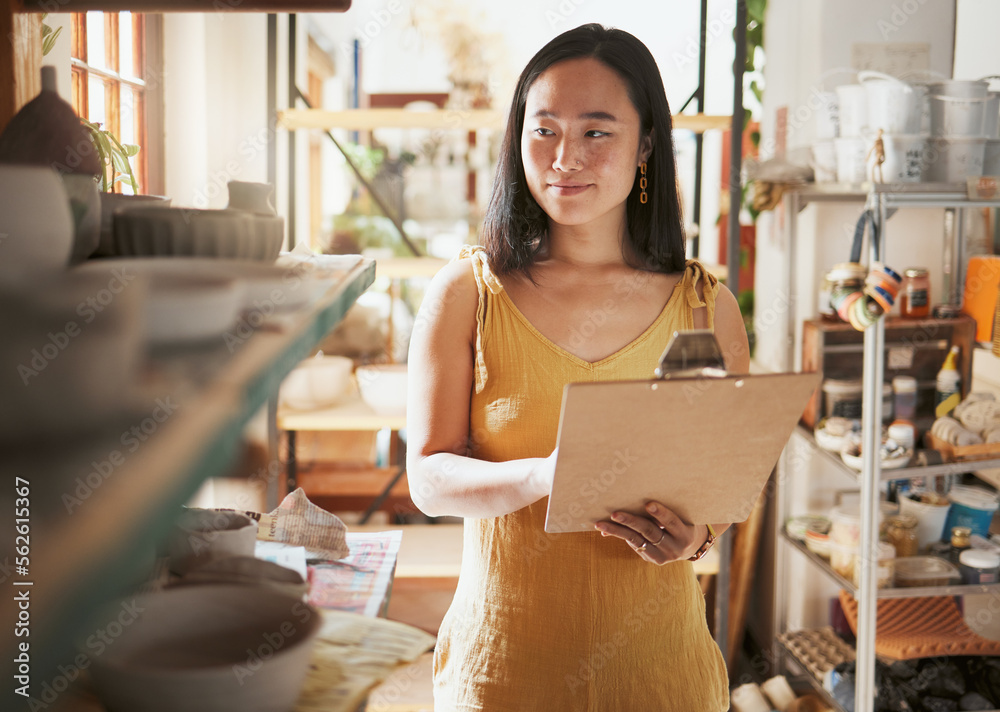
118 202
253 197
201 535
36 226
85 207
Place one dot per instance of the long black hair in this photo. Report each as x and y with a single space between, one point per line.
515 226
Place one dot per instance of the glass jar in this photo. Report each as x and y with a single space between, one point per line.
915 299
843 280
901 532
904 389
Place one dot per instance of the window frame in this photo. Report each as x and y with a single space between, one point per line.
147 165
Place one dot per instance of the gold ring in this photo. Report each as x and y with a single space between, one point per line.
642 548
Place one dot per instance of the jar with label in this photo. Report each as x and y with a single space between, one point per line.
915 299
901 532
979 566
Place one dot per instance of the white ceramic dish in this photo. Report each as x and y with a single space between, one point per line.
211 648
383 387
176 232
894 462
318 382
66 366
265 287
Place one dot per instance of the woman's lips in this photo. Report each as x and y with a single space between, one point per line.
567 189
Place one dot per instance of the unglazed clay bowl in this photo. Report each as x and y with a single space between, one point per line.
212 648
187 232
201 535
112 203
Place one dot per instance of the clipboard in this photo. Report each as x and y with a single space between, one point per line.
703 446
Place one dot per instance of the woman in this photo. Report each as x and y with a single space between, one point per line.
581 277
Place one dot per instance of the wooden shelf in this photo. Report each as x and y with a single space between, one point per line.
406 267
206 6
351 414
442 119
99 549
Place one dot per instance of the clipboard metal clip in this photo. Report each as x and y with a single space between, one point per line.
692 354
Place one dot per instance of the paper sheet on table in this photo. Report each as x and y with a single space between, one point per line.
291 557
360 582
354 653
299 522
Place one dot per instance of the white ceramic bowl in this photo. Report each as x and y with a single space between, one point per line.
318 382
36 227
383 387
72 353
211 648
201 535
171 232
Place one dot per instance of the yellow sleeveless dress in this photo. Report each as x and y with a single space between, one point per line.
566 622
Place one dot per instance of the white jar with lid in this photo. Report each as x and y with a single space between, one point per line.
979 566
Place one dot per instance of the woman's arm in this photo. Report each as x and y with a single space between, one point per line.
443 479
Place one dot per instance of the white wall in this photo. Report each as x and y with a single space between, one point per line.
215 101
977 52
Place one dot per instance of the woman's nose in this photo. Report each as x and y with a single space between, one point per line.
568 155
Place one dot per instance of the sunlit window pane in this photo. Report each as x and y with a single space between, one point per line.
128 133
98 108
95 40
125 49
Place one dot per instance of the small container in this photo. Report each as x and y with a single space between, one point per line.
843 279
842 397
960 542
979 566
818 543
904 392
920 571
972 507
845 527
903 432
843 559
915 299
796 527
901 531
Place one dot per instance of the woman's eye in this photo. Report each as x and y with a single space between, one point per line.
597 134
543 132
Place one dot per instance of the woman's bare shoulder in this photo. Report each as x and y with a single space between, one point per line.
452 298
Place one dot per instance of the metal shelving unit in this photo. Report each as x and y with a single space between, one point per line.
884 200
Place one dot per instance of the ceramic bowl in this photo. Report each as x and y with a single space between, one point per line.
317 382
73 349
212 648
248 570
36 225
383 387
112 203
202 535
172 232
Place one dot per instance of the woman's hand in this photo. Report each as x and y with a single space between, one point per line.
659 538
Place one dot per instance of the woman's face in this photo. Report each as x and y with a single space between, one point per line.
580 144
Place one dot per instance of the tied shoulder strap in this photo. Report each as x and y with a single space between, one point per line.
485 281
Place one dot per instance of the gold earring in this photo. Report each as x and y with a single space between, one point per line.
643 198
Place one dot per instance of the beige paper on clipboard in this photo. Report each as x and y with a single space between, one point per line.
702 446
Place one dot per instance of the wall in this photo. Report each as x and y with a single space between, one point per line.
215 99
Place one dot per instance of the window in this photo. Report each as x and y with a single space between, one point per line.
109 80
